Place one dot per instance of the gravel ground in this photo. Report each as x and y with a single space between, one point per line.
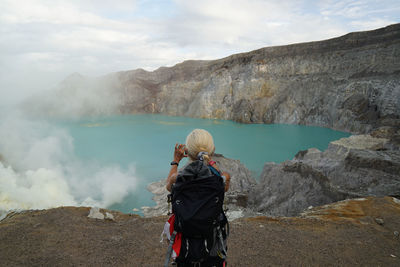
362 233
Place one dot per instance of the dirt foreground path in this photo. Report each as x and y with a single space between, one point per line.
350 233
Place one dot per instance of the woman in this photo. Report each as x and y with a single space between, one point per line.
198 228
199 141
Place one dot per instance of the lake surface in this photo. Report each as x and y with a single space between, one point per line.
147 142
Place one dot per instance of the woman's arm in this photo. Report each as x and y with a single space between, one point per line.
171 179
227 180
179 154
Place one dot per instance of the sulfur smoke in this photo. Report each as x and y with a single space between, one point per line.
39 169
77 96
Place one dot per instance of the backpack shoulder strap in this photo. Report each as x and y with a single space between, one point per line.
169 250
217 173
214 171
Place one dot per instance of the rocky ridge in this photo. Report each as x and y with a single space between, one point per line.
349 83
351 167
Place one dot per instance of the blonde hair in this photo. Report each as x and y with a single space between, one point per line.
197 141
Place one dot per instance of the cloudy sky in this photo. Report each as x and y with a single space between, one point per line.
43 41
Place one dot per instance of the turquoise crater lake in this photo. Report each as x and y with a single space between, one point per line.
147 142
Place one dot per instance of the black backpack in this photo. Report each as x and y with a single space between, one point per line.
197 203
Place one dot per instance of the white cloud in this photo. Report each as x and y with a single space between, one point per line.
375 23
362 9
43 41
345 8
237 26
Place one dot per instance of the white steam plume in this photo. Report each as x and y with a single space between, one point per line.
40 170
38 189
77 96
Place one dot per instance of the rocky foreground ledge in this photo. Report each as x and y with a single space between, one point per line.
359 232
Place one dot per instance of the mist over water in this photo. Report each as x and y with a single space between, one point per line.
108 161
40 169
75 97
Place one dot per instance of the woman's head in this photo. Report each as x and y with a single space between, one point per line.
197 141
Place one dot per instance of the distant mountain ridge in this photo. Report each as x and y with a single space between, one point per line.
349 83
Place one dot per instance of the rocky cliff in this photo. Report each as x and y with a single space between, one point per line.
358 166
349 83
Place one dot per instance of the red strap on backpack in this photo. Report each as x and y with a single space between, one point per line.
178 238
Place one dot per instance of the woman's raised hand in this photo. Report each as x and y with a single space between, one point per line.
180 152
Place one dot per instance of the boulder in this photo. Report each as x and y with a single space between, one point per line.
357 166
242 180
287 189
95 213
361 142
160 193
109 216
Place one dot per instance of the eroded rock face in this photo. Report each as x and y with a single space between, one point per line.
349 83
351 167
